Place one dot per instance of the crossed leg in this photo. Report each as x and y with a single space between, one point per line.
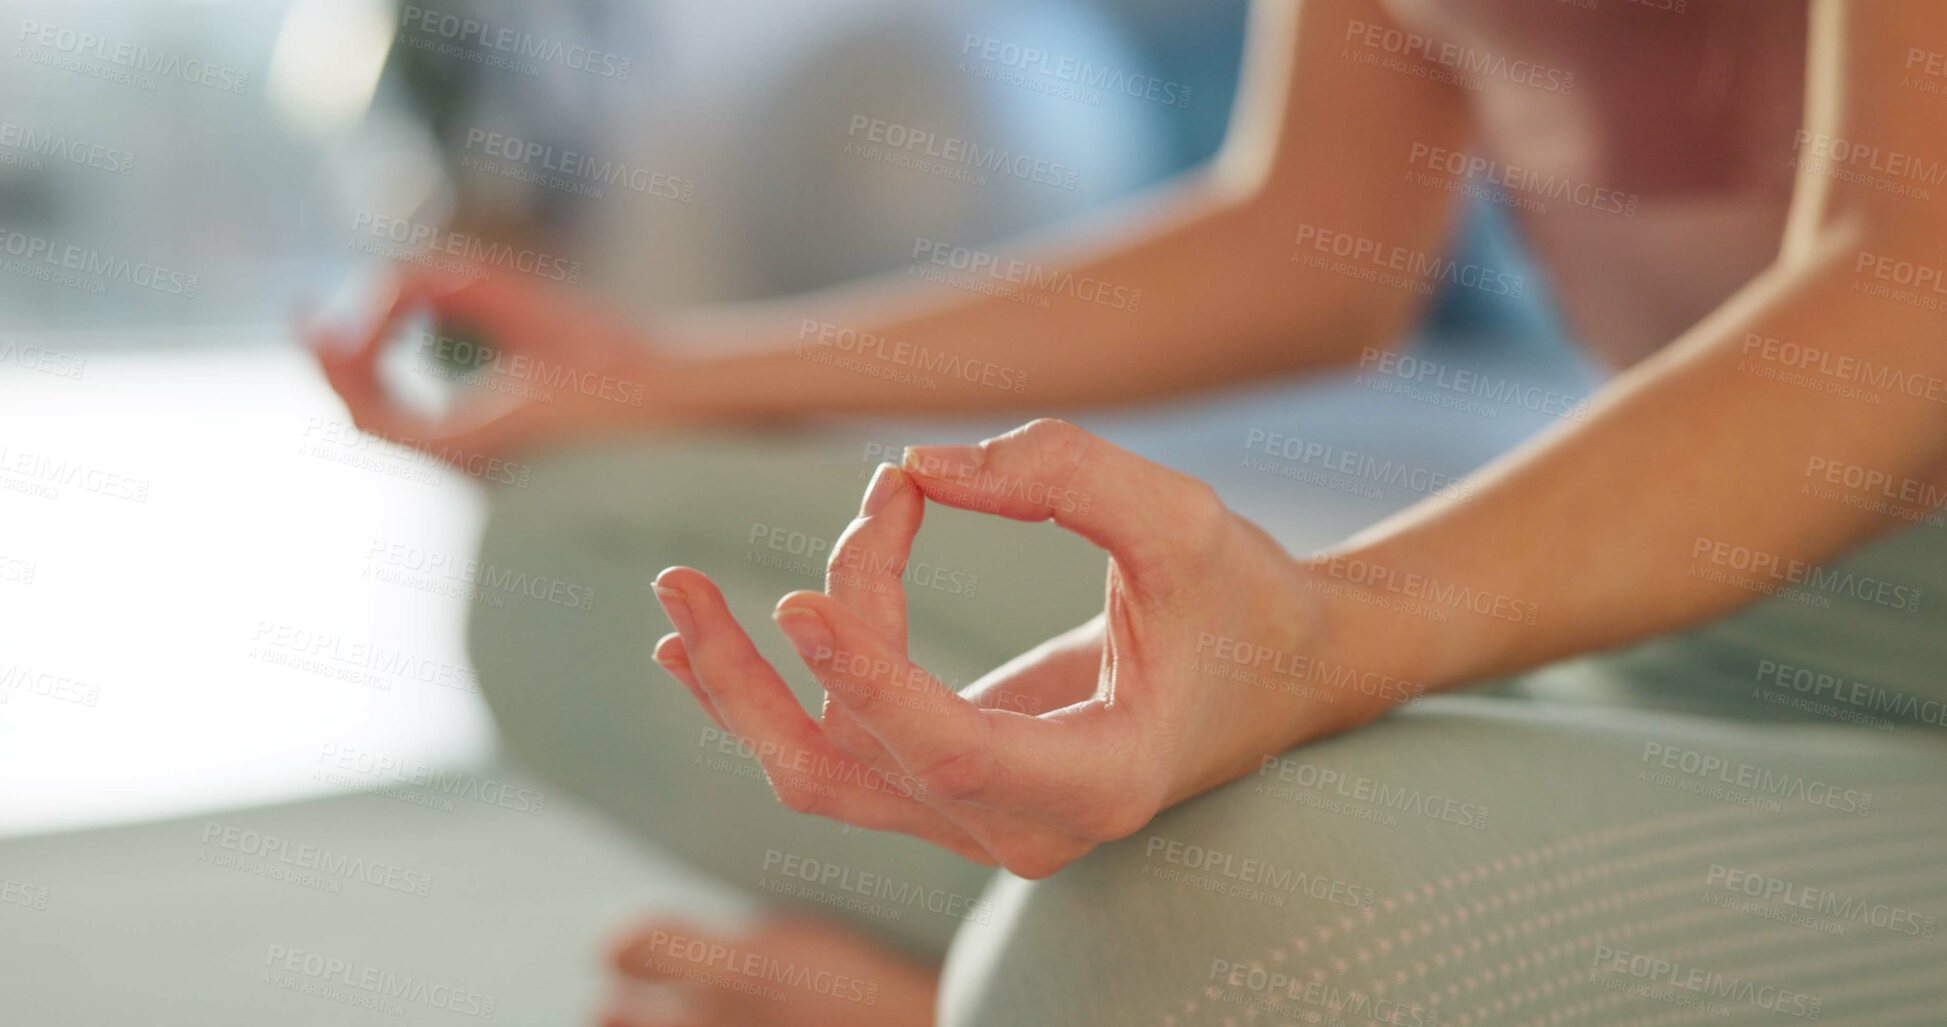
1481 860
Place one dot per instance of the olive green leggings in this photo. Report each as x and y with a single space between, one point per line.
1678 834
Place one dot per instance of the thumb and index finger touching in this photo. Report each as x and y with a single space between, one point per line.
854 638
349 356
1137 510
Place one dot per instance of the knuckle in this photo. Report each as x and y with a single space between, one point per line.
1050 431
841 558
1059 446
852 738
1200 523
859 696
847 543
1203 511
855 560
959 776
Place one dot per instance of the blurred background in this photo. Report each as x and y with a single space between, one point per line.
731 108
194 617
246 165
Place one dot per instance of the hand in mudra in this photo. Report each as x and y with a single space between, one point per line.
1079 741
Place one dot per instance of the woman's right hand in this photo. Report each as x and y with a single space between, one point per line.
1169 693
556 366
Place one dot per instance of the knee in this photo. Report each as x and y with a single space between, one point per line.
1277 893
1140 929
1377 898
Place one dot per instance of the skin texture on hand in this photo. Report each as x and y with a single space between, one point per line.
1077 742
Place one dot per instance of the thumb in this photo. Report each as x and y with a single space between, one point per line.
1146 515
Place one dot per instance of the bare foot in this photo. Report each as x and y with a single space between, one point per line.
779 973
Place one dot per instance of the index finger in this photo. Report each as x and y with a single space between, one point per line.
806 772
1047 469
500 306
350 360
405 288
868 565
1049 766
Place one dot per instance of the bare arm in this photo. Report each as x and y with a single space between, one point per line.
1589 537
1191 285
1317 140
1580 541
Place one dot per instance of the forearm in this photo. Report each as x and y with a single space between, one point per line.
1191 288
1195 285
1690 469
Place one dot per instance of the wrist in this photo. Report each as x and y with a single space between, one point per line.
1375 656
1416 619
1285 661
711 371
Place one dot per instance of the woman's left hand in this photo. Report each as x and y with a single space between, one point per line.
1208 657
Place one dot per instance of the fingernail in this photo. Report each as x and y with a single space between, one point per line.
942 461
676 606
885 482
807 631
